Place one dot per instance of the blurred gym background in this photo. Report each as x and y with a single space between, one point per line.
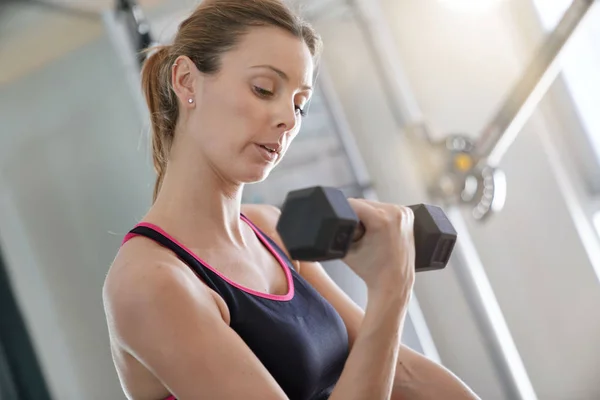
451 102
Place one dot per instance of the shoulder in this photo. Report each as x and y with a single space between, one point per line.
145 282
138 274
262 213
265 217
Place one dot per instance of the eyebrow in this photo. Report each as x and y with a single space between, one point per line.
282 74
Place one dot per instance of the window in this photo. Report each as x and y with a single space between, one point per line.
581 79
576 96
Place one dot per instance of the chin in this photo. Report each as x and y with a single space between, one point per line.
255 175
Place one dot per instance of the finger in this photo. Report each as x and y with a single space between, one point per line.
388 206
372 215
364 211
393 209
374 203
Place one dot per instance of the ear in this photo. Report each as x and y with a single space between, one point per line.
185 76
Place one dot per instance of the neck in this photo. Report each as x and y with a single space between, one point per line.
200 207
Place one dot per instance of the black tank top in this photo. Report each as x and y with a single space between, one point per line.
299 337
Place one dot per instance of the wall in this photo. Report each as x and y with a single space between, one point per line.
71 185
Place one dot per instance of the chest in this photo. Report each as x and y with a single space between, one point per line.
302 342
259 271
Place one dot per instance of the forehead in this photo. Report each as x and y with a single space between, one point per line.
276 47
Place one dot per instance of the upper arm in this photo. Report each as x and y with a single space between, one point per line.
162 318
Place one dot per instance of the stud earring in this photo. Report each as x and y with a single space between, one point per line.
190 101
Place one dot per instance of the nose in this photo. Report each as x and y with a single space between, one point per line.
287 117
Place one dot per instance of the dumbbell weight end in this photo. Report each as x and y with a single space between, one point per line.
435 237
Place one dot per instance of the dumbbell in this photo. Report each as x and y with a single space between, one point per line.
318 224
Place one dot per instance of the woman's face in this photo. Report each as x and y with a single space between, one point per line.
246 116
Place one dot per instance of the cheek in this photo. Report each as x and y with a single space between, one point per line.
231 119
246 107
248 119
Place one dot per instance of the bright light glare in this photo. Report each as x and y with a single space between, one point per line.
551 11
471 6
597 222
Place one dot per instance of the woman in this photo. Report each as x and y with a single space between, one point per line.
202 300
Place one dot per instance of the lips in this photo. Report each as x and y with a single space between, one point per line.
266 153
268 148
272 147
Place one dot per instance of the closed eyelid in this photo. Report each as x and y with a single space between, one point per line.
274 88
265 92
265 83
280 75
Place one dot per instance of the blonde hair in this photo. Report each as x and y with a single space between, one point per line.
214 28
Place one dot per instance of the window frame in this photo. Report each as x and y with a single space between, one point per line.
566 115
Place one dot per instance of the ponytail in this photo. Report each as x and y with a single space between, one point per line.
162 105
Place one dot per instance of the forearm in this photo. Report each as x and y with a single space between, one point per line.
419 378
370 367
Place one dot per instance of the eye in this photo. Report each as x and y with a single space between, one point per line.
262 92
266 94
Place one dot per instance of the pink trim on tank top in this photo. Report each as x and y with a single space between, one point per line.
288 274
170 398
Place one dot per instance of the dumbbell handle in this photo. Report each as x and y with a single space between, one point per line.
360 230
